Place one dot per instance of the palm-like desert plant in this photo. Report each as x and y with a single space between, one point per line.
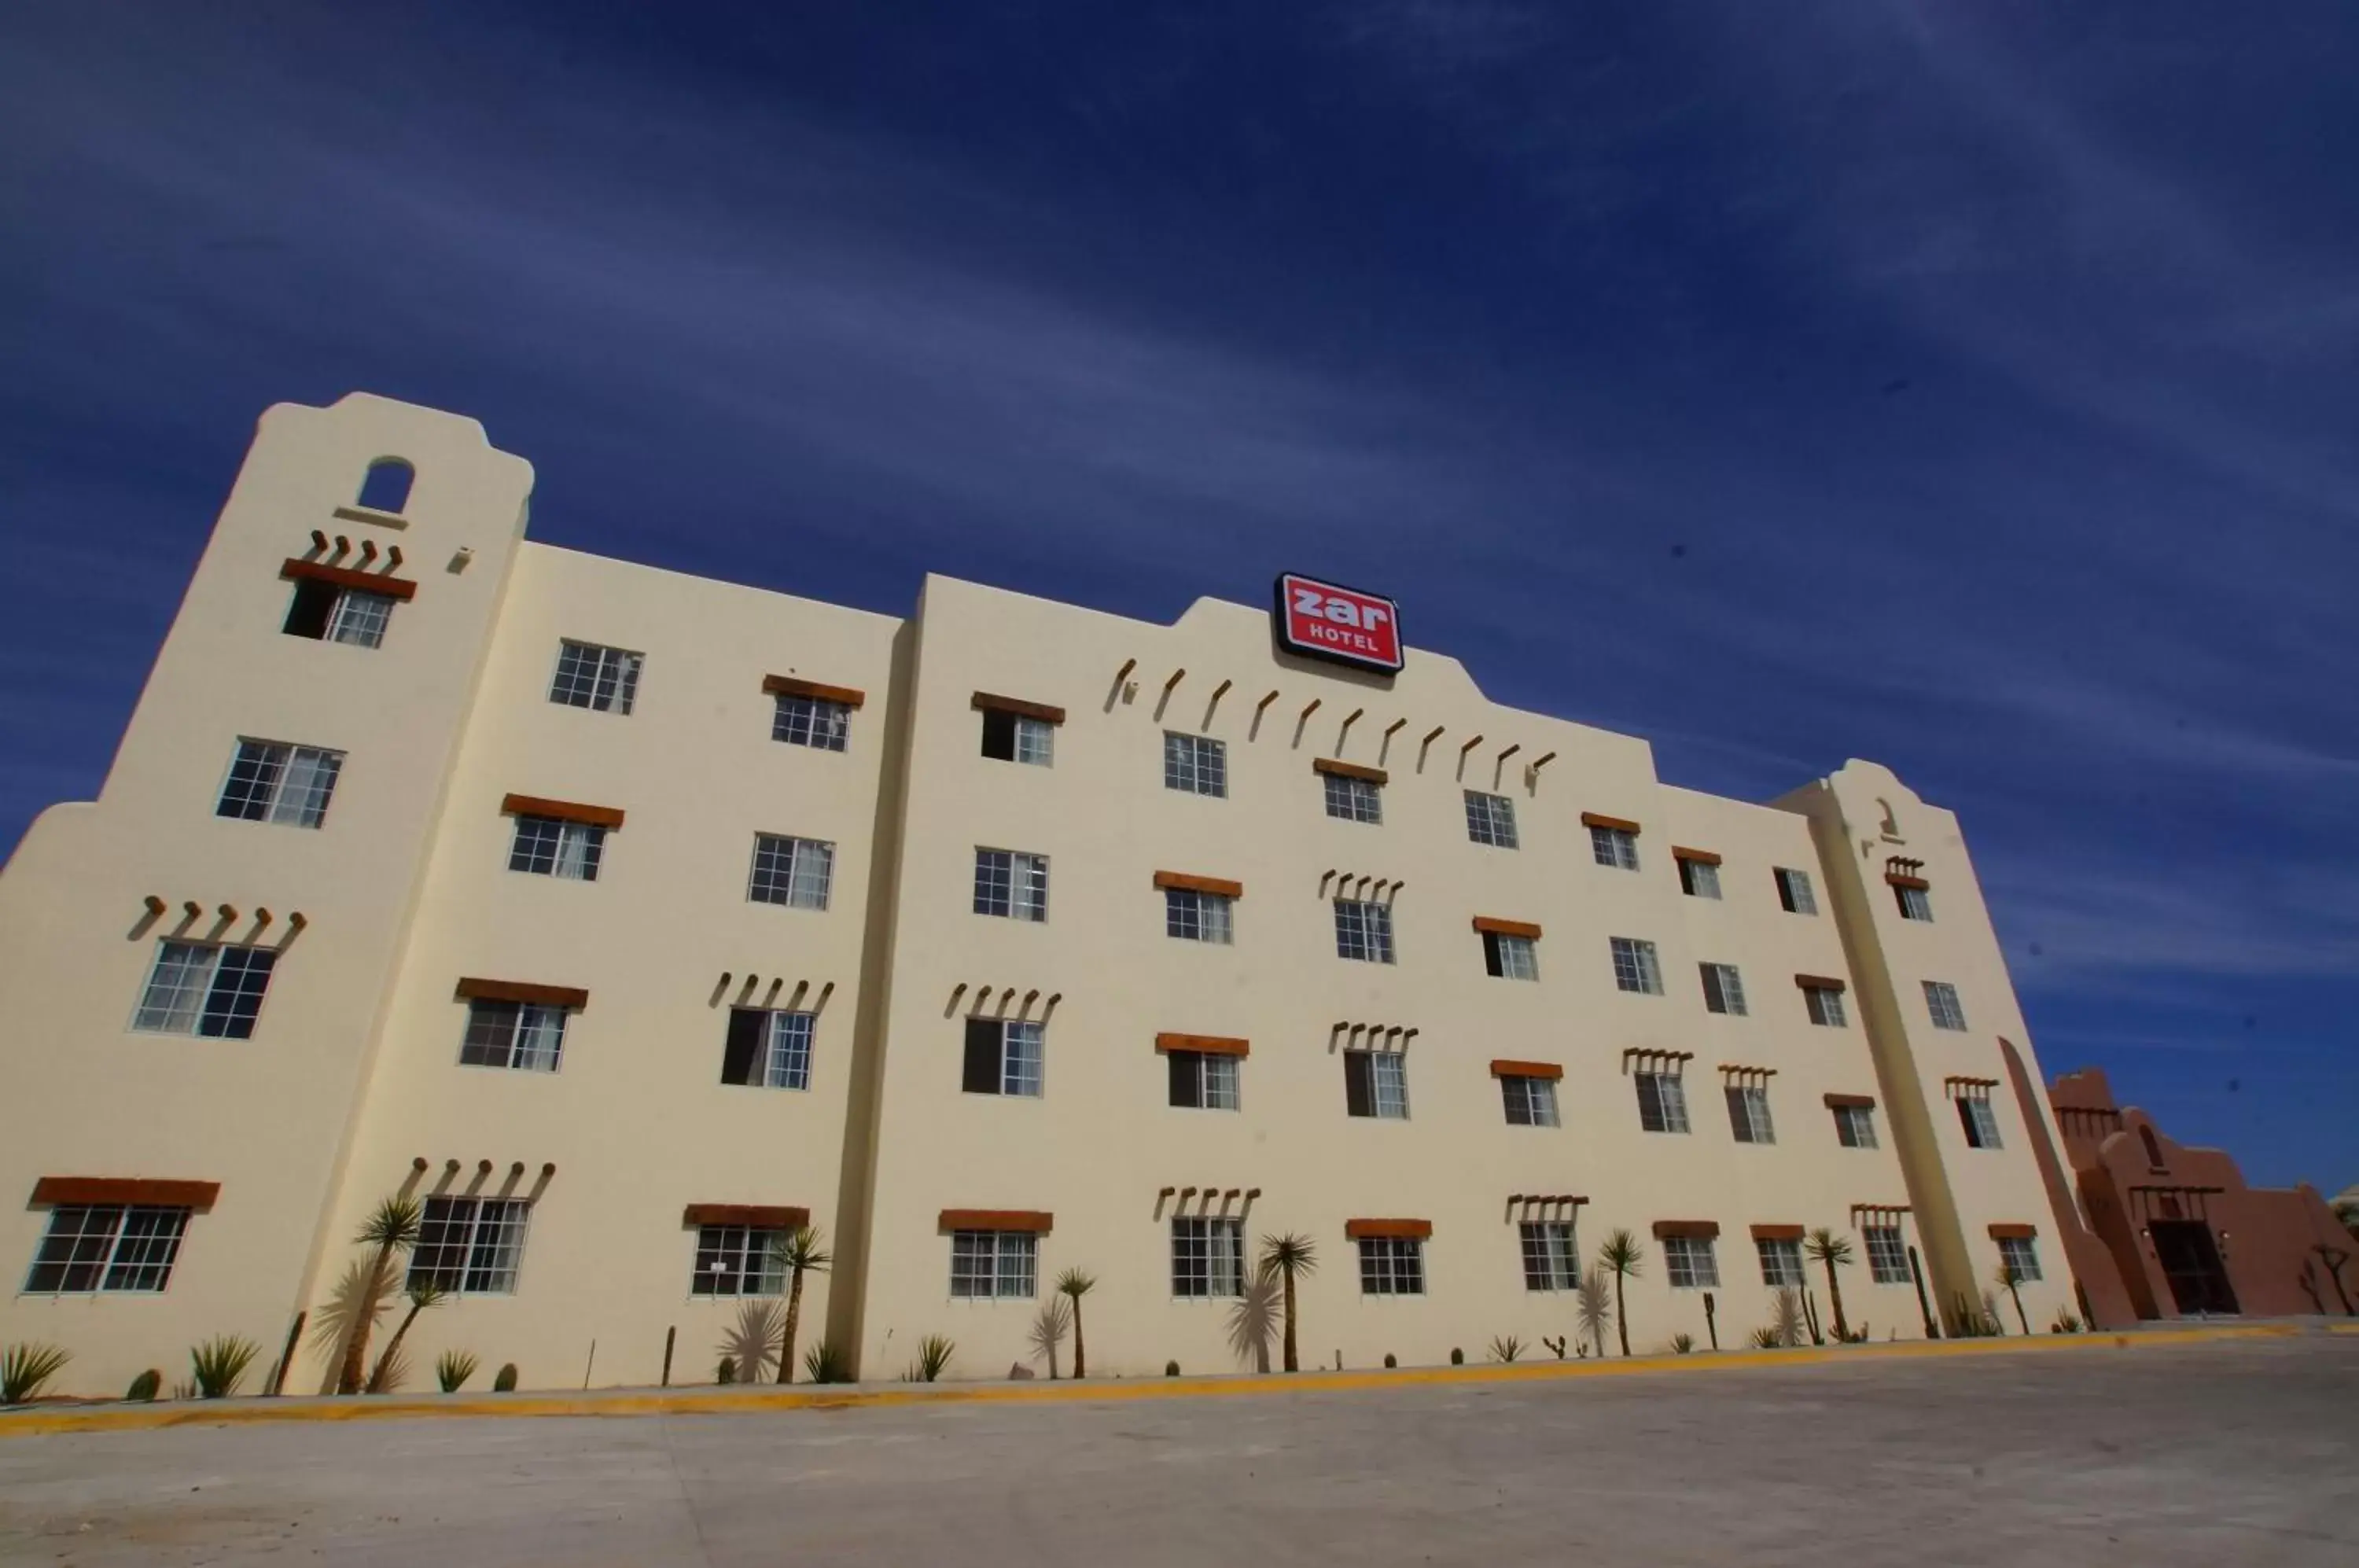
24 1368
800 1251
1048 1331
384 1379
1253 1322
1506 1347
754 1339
1073 1284
220 1364
1289 1256
933 1357
1823 1246
452 1368
1593 1309
393 1227
1623 1257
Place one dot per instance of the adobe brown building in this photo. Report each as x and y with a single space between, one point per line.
2177 1231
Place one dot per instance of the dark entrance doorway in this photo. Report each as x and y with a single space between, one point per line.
2191 1261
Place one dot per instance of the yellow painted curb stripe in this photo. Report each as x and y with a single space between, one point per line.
751 1402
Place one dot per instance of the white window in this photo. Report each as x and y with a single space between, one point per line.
205 988
1748 1113
1375 1083
1551 1255
1192 916
1662 1102
528 1037
602 678
1617 847
768 1048
1855 1126
813 722
551 846
1355 799
1016 737
1794 892
1980 1121
1510 957
1012 885
1688 1262
1942 1001
796 872
269 782
1491 819
1916 903
1204 1080
1004 1056
2020 1254
988 1264
1723 990
1195 764
1392 1266
1530 1101
470 1246
105 1248
1825 1004
323 611
1887 1254
1208 1257
1363 930
1781 1261
1635 968
738 1260
1699 878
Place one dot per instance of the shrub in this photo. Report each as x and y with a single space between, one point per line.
1506 1347
504 1381
25 1367
1390 1360
145 1387
826 1362
1457 1356
2065 1324
220 1364
1171 1370
1681 1344
452 1368
1765 1339
933 1355
727 1371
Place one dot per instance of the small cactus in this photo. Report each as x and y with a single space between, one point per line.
1391 1360
145 1387
1457 1356
1171 1370
727 1371
505 1380
1556 1345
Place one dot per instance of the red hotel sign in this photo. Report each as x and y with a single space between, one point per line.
1327 620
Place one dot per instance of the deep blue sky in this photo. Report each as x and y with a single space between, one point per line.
1970 386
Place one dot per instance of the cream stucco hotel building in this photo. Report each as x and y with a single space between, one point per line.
625 917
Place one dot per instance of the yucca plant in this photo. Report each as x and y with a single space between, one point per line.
1788 1323
220 1364
452 1368
828 1363
1621 1256
1764 1339
389 1366
24 1368
1289 1256
800 1251
2065 1323
391 1226
933 1356
1591 1309
1823 1246
1073 1284
1506 1347
1683 1343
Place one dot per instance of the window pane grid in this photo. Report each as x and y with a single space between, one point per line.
1530 1101
992 1263
469 1246
1748 1113
550 846
1196 916
359 618
1723 989
1688 1263
1855 1126
1491 820
796 872
812 721
1518 960
1220 1082
1617 847
737 1260
528 1037
1208 1257
1781 1261
1388 1085
787 1049
1354 799
1020 1064
1551 1255
105 1248
1662 1102
1887 1254
1826 1007
1035 744
2021 1254
1981 1122
602 678
1794 891
1941 1002
1699 878
1011 885
1635 968
1363 930
269 782
1392 1266
1195 764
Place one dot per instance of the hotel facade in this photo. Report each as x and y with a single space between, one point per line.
627 919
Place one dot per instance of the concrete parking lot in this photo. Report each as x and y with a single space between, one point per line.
2242 1453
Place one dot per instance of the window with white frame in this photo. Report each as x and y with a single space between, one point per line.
212 990
1794 894
526 1037
1688 1263
1662 1101
1723 989
1491 819
1781 1261
1195 764
1635 968
1887 1254
1748 1113
1004 1056
768 1048
326 613
470 1246
1375 1083
1530 1101
814 722
1012 885
796 872
1699 878
738 1260
1355 799
1617 847
2020 1254
993 1263
1981 1122
1825 1004
1551 1254
1855 1126
1941 1002
107 1248
556 846
1363 930
605 679
1208 1257
1204 1080
1193 916
1018 737
1916 903
1392 1266
272 782
1508 955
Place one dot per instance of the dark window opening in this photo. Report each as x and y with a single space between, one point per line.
999 734
385 487
1491 962
982 1038
313 603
